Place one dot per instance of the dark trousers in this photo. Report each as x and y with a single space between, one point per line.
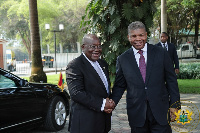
151 125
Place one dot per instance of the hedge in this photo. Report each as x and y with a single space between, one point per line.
189 71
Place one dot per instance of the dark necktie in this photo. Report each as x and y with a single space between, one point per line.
165 47
142 65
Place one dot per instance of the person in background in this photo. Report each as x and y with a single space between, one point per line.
143 71
89 87
171 49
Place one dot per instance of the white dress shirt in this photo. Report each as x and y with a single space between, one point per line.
166 45
137 55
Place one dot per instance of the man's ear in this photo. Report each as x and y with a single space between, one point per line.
82 47
128 37
146 34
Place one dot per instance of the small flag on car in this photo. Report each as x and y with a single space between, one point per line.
61 82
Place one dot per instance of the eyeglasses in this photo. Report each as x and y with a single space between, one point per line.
93 47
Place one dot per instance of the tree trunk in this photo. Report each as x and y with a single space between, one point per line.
163 16
196 28
37 73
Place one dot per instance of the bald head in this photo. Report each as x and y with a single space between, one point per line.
91 47
88 38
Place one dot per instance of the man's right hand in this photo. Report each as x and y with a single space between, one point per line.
109 106
172 114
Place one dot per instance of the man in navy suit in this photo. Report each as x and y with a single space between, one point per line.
146 72
171 50
89 87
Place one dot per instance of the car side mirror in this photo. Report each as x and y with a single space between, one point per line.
23 82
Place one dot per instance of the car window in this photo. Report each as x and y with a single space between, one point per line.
6 82
185 47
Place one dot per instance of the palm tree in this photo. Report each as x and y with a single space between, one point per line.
37 73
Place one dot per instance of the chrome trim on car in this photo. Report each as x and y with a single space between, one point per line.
20 123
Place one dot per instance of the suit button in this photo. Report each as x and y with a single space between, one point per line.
145 88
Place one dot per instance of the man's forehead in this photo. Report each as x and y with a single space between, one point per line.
137 33
163 34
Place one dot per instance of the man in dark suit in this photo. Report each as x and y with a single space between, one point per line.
89 87
171 50
143 71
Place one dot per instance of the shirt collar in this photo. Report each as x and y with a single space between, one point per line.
164 43
91 62
144 49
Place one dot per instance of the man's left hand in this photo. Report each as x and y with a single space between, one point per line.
177 71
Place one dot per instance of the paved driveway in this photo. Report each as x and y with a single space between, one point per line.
120 122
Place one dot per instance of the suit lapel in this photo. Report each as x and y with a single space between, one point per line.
133 63
91 70
159 44
150 60
169 48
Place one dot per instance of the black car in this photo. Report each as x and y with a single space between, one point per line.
25 105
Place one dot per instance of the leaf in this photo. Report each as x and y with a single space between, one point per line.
105 3
139 12
111 29
127 11
116 20
112 9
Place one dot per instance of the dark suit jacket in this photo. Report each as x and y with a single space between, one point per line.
172 53
87 92
154 90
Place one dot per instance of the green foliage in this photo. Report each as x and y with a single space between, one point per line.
189 71
181 16
190 4
15 22
110 20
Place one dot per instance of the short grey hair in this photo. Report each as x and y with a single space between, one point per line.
136 25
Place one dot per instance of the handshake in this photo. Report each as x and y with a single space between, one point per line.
109 106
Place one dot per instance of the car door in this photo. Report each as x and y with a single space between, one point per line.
185 51
18 105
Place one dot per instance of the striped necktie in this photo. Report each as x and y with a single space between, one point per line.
165 46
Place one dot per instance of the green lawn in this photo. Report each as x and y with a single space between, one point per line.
189 85
185 85
53 79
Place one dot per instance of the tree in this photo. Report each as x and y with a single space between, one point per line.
71 12
15 21
194 7
182 18
179 19
37 73
110 20
13 25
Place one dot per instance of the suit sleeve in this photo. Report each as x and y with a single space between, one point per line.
119 85
175 56
171 82
75 82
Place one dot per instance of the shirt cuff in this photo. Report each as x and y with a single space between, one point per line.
103 105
